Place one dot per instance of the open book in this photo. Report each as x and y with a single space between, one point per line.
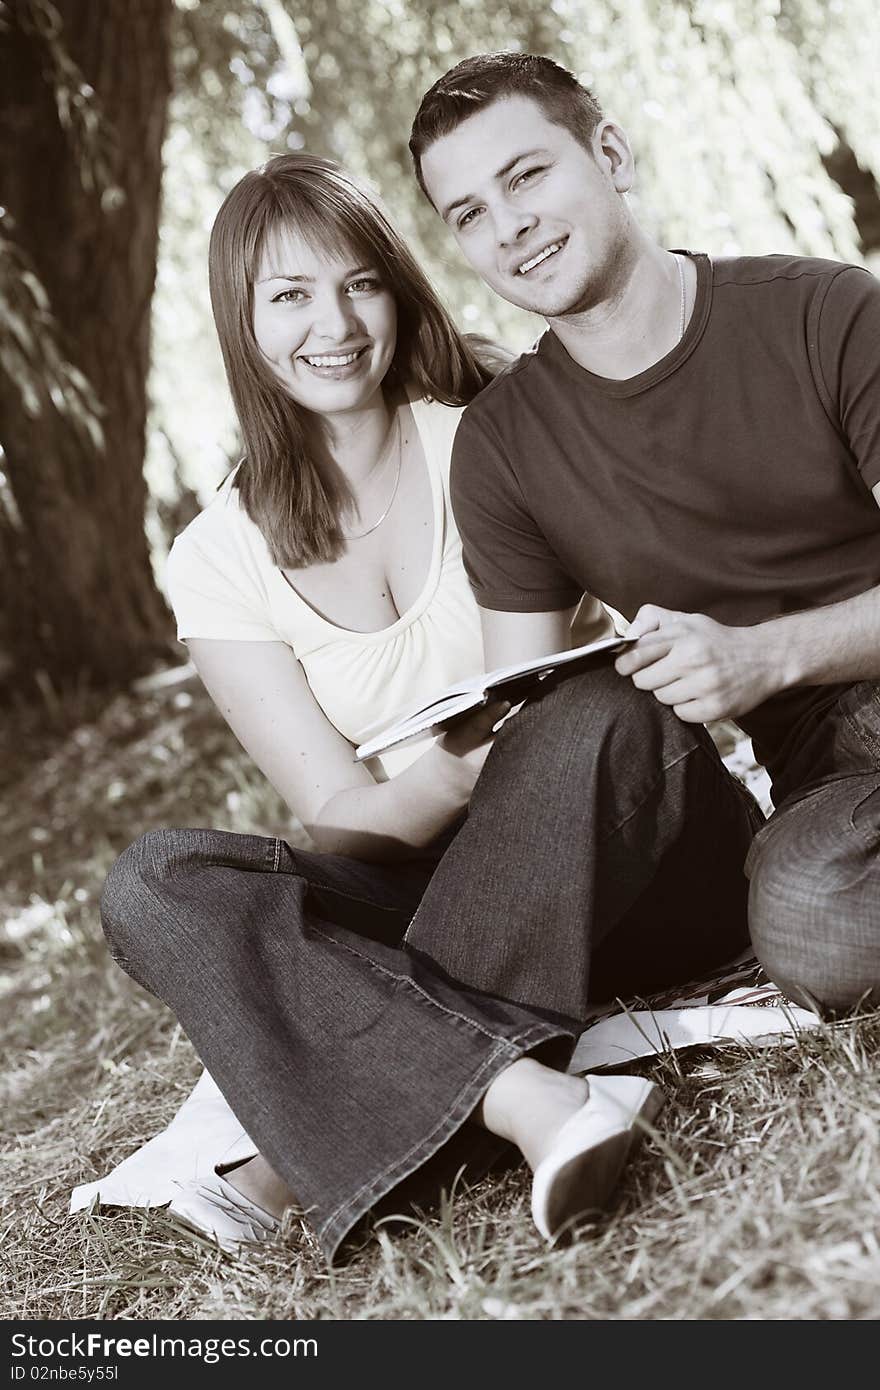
511 683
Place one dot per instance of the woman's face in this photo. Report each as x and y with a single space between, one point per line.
326 326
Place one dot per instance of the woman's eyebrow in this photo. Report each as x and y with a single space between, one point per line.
282 275
310 279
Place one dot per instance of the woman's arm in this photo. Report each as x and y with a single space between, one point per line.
262 693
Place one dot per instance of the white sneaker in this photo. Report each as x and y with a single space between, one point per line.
221 1212
582 1169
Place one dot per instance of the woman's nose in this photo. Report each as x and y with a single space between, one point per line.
335 318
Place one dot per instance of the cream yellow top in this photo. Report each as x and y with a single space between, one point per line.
223 584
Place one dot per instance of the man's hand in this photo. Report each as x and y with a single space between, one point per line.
703 669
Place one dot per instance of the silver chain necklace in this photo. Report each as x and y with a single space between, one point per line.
395 431
683 314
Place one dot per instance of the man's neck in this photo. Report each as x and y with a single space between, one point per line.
639 323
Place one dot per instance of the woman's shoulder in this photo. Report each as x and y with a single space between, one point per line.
437 424
218 573
220 524
222 536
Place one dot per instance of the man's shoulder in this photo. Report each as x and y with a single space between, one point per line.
749 271
493 402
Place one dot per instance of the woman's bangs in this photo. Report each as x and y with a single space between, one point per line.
328 227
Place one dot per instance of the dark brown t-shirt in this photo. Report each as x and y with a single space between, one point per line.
731 478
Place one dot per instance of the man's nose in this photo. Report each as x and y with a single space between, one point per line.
513 224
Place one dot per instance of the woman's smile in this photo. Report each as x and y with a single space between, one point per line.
336 366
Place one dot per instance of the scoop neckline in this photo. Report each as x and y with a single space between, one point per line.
551 348
417 407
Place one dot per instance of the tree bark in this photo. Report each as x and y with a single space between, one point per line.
81 604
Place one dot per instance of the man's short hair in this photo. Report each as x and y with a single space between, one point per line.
477 82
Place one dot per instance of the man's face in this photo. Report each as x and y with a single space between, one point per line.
539 217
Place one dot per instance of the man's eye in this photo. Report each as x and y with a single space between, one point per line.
467 217
526 174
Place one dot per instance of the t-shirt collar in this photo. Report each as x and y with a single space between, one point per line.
552 351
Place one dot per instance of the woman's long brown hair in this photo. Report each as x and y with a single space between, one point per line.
296 504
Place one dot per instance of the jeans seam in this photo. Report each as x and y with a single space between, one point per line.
464 1102
664 772
406 980
329 887
864 736
866 835
412 921
350 897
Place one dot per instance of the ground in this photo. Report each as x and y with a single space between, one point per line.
758 1197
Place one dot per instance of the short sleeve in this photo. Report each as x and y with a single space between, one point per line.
509 561
212 596
848 352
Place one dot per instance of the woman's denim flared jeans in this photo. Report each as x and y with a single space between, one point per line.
355 1013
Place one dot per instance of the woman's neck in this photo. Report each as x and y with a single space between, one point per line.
356 439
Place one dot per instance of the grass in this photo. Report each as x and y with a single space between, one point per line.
757 1196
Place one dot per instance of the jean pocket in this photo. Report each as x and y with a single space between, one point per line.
859 713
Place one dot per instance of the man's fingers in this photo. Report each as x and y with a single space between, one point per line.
695 711
647 651
669 690
648 619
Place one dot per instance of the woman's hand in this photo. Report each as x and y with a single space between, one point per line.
465 746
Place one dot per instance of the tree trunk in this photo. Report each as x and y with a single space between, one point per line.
81 605
860 185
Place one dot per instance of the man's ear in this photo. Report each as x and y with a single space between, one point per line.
613 155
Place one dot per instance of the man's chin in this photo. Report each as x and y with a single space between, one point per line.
547 305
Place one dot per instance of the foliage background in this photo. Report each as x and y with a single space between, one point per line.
741 113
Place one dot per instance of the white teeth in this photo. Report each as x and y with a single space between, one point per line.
331 361
541 256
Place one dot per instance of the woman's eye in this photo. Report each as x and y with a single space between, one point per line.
467 217
365 286
289 297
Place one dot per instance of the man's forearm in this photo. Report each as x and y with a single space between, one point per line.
840 642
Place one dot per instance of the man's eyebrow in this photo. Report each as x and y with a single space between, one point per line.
499 174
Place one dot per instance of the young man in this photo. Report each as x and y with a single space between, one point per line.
696 442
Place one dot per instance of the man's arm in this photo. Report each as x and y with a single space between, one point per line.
512 637
707 671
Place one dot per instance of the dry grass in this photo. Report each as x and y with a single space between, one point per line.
756 1198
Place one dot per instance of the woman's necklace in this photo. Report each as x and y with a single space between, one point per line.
683 316
393 433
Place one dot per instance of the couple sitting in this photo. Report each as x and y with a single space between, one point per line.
694 441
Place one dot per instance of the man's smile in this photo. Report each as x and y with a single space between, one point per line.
526 267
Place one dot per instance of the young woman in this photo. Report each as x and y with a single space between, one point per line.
320 592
